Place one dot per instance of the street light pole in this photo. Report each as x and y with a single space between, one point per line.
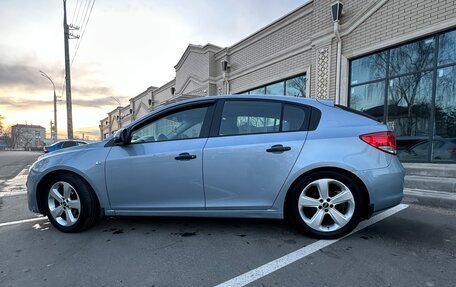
55 106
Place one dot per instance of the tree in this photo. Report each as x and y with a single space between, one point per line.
21 137
1 123
5 132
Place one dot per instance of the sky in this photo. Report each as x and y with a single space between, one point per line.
126 46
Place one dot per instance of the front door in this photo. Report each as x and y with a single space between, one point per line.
162 166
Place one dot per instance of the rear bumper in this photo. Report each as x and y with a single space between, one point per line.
385 185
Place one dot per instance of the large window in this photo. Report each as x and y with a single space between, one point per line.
295 86
412 88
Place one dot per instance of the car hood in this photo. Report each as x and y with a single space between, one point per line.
80 148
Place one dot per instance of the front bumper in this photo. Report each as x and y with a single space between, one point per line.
385 185
32 200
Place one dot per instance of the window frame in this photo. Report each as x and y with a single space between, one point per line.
284 80
217 118
205 128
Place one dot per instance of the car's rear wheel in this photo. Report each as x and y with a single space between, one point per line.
71 204
326 205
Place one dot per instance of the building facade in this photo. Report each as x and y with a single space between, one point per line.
28 137
392 59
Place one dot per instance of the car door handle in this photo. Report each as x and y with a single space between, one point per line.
278 148
185 156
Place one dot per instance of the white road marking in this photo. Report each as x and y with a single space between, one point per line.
12 193
24 171
22 221
283 261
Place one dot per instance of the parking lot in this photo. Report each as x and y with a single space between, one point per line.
416 246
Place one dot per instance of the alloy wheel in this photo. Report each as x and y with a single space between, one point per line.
64 203
326 205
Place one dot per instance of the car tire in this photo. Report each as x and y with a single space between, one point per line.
326 214
71 204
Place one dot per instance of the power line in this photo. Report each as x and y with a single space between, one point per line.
83 31
74 12
83 13
78 21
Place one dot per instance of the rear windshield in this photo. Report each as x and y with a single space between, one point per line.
356 112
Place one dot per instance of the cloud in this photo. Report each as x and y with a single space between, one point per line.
21 75
30 104
22 87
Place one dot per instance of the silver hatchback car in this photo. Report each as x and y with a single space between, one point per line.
322 166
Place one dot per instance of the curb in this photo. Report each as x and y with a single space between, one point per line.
431 198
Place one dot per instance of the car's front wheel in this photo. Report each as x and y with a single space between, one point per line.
71 204
326 205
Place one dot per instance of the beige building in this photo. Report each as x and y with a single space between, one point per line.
27 136
393 59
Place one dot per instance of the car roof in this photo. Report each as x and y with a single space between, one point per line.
300 100
62 141
308 101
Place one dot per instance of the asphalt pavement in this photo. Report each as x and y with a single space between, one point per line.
12 162
413 247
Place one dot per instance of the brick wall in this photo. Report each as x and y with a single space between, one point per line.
292 34
396 18
293 65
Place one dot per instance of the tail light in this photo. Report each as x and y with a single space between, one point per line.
452 149
385 141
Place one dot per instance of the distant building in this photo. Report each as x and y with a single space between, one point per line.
27 136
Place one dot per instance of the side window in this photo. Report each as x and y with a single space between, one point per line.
81 143
184 124
294 118
250 117
68 144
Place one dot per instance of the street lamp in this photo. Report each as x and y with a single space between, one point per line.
54 136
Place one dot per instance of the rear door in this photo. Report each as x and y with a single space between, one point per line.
253 147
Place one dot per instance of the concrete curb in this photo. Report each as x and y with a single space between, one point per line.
431 198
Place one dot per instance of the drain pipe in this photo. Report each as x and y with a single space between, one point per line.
338 60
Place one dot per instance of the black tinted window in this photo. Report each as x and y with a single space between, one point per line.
68 144
293 118
250 117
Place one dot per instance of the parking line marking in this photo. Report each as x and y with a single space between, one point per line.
23 221
283 261
11 193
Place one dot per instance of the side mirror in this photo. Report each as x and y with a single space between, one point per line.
122 137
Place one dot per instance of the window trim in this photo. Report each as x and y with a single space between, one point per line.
217 119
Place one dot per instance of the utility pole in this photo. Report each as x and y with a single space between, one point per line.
66 32
53 130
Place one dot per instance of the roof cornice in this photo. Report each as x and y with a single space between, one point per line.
198 49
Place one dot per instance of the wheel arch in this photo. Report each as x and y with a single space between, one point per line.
354 177
40 187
